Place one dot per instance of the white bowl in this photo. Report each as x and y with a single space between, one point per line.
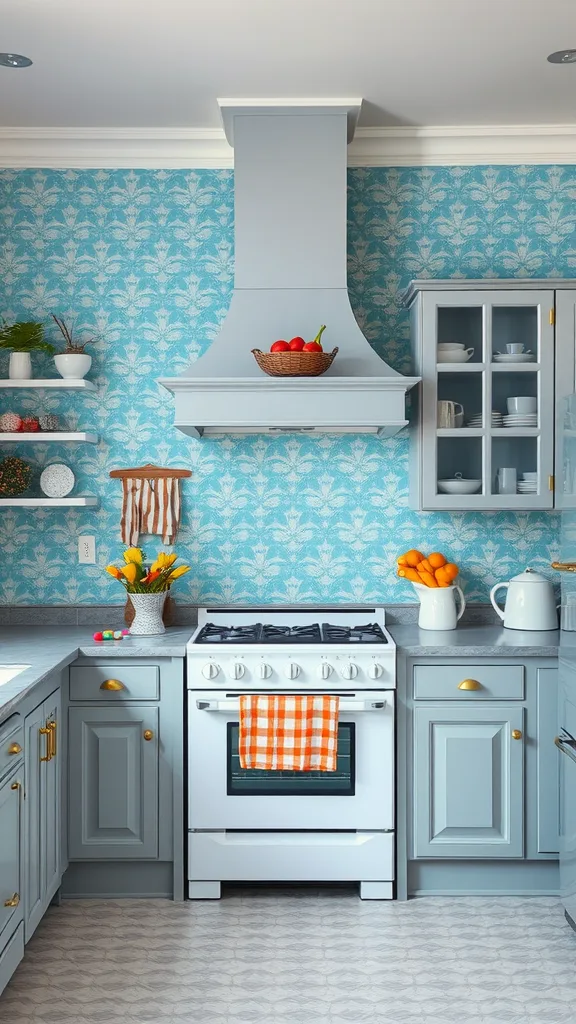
521 405
459 486
453 355
446 346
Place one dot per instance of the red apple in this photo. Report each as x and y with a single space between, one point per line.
280 346
313 346
297 344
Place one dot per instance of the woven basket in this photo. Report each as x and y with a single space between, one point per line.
294 364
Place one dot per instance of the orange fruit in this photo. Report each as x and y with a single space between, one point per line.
436 560
451 570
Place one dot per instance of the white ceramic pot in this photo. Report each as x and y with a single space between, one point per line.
147 614
438 606
73 365
20 367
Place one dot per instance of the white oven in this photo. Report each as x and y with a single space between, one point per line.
358 795
254 825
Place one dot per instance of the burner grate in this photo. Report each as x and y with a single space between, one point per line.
214 634
309 634
369 634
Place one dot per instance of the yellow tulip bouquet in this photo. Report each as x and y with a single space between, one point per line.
138 577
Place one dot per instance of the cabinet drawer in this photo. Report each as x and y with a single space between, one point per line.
11 743
100 682
442 682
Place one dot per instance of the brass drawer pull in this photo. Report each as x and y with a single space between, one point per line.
516 734
469 684
14 748
13 901
112 684
45 731
52 727
148 734
564 566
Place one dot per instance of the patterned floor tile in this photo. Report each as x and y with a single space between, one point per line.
298 956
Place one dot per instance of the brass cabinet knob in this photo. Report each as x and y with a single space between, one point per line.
15 785
516 734
112 684
14 748
148 734
469 684
13 901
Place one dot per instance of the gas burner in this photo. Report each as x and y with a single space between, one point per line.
212 634
369 634
292 634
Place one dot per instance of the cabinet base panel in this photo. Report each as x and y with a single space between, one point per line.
483 878
117 879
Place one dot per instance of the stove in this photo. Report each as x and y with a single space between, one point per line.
249 825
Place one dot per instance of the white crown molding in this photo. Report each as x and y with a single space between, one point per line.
207 147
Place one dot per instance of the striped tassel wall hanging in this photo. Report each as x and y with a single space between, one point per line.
151 502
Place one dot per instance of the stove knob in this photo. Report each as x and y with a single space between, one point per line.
375 670
292 670
264 670
237 670
324 670
349 670
210 670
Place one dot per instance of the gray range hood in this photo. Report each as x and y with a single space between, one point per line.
290 277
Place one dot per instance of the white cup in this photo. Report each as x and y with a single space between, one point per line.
521 405
445 346
507 481
514 349
568 614
453 355
448 415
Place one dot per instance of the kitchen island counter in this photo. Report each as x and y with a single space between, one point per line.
45 650
479 640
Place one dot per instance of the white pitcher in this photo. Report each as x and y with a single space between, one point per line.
438 606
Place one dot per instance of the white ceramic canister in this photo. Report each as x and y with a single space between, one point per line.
438 606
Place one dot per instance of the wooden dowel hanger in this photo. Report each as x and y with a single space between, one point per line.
149 472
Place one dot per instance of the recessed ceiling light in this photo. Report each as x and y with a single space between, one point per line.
562 57
14 60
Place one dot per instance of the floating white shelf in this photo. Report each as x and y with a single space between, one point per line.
49 502
81 436
50 382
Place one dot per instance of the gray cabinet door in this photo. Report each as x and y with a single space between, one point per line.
548 775
113 809
10 860
43 860
468 781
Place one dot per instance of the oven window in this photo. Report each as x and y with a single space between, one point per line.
254 782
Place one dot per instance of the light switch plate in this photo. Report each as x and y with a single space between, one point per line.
87 550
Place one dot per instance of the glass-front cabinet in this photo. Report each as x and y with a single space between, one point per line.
483 425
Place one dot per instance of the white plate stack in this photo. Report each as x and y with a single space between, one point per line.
477 421
528 484
516 420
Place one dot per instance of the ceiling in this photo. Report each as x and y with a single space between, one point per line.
162 63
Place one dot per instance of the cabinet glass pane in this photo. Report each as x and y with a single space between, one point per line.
462 455
461 325
517 326
515 385
464 389
519 454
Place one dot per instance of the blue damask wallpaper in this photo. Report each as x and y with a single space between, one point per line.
144 260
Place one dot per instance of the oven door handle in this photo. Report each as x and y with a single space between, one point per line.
346 706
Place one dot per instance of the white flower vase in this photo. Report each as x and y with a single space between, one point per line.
73 365
20 367
147 614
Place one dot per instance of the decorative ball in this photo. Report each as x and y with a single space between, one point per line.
29 425
49 422
15 475
10 422
98 636
117 634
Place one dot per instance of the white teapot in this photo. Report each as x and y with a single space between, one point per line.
530 602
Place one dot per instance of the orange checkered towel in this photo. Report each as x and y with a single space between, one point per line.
289 733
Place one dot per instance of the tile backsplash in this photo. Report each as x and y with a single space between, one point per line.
144 260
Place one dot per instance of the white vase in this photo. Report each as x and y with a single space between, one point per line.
20 367
73 365
438 606
147 614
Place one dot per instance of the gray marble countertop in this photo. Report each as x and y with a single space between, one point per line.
480 641
45 650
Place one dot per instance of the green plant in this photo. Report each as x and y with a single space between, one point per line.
26 336
73 346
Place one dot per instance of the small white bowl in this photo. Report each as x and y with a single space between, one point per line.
459 486
446 346
454 355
